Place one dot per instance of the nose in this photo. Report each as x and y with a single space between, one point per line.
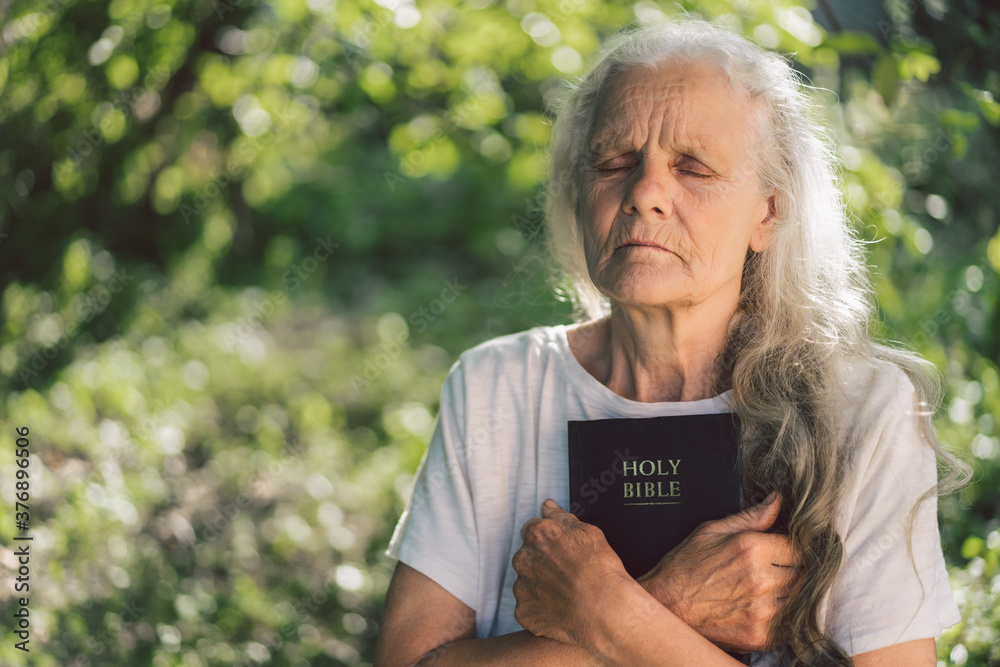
651 190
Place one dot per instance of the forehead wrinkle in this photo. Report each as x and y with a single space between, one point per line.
613 105
683 127
618 99
617 113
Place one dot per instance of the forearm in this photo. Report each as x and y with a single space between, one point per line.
639 631
519 648
657 588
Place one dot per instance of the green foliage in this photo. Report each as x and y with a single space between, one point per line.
242 243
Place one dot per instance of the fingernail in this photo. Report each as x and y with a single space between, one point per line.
770 498
551 504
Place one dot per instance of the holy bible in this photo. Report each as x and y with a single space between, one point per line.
649 482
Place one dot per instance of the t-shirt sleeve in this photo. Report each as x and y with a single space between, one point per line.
436 535
879 598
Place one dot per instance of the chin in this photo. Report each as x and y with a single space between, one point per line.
642 284
643 294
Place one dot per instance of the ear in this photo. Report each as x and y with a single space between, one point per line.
765 228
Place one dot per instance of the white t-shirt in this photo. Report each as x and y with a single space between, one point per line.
499 449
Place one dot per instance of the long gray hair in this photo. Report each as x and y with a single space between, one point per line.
805 304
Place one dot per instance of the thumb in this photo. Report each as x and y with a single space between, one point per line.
758 517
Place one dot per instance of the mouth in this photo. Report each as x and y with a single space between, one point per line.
642 245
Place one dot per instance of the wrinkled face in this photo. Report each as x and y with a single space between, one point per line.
670 200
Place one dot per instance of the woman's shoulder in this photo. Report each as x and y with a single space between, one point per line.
878 412
871 385
511 352
871 396
504 375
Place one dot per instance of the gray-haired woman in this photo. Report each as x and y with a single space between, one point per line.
694 210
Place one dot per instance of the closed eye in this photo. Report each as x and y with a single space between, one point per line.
612 166
692 164
613 169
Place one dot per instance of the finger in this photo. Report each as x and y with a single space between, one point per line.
551 510
758 517
533 520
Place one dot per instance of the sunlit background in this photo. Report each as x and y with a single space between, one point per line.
242 242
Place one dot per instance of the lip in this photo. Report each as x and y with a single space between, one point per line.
638 244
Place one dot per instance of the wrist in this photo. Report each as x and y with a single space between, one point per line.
661 589
620 623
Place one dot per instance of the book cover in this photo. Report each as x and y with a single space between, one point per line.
649 482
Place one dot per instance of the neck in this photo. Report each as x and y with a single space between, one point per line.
655 355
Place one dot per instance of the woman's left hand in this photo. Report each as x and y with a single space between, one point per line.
567 574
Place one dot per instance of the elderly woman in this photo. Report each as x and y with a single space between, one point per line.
693 209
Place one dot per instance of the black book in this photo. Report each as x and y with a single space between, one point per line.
649 482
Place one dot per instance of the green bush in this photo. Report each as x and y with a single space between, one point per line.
225 230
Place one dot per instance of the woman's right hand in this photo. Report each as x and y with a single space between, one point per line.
729 579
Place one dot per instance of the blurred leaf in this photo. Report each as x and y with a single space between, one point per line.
885 78
918 66
212 239
972 547
962 120
852 42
